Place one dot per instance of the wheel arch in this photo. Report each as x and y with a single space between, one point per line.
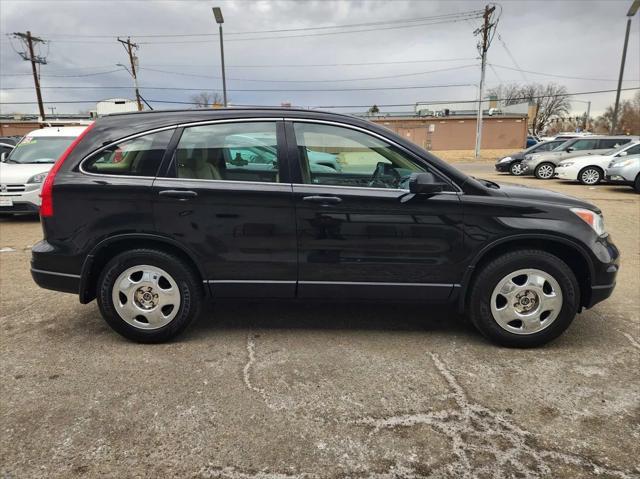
570 252
106 249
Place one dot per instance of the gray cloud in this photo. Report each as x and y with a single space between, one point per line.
564 38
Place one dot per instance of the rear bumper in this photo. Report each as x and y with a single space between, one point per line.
64 282
52 269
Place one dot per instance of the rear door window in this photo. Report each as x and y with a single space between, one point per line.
612 143
140 156
242 151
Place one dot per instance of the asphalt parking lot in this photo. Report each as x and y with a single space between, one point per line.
283 391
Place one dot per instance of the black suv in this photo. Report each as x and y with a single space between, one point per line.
151 212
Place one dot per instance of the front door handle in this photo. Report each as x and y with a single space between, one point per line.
182 195
325 200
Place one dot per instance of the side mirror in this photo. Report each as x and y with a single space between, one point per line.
569 149
424 184
3 157
622 153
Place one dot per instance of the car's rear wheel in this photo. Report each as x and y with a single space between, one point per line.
524 298
516 168
591 175
148 296
544 171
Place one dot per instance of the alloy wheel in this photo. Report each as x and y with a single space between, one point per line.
516 169
590 176
545 171
526 301
146 297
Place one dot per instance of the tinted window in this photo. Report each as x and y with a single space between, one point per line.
331 155
139 156
585 145
546 146
613 143
229 151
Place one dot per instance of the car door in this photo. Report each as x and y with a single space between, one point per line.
357 238
234 214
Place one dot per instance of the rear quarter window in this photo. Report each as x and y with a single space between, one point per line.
139 156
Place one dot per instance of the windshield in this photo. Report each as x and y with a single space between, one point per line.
614 151
39 149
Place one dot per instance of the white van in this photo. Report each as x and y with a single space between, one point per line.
24 169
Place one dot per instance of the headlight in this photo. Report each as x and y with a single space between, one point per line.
505 159
528 157
620 163
39 178
592 218
568 163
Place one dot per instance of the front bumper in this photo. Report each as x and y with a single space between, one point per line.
566 173
606 266
617 175
503 167
27 201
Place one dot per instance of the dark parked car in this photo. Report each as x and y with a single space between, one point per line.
148 213
512 164
532 140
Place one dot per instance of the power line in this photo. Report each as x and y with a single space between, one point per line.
472 13
276 37
401 75
284 90
384 105
555 75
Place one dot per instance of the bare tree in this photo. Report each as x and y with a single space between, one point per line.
206 99
549 101
628 118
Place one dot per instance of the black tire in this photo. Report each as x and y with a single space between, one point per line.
541 171
491 274
189 287
636 184
515 168
590 172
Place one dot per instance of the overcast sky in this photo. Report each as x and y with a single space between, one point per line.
580 39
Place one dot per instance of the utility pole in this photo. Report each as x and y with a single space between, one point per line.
217 13
586 118
483 46
632 11
129 47
31 56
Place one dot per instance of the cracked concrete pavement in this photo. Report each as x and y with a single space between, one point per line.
260 390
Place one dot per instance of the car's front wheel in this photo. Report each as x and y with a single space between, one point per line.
148 296
524 298
636 184
516 168
591 175
545 171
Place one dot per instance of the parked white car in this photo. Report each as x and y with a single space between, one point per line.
24 169
590 169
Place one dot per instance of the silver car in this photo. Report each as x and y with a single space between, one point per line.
625 171
543 165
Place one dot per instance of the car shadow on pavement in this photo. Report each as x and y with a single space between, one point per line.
320 316
26 218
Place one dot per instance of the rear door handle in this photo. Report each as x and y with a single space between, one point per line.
181 195
325 200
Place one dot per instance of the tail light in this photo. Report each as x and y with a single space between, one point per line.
46 208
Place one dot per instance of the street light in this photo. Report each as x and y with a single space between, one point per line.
217 13
632 11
